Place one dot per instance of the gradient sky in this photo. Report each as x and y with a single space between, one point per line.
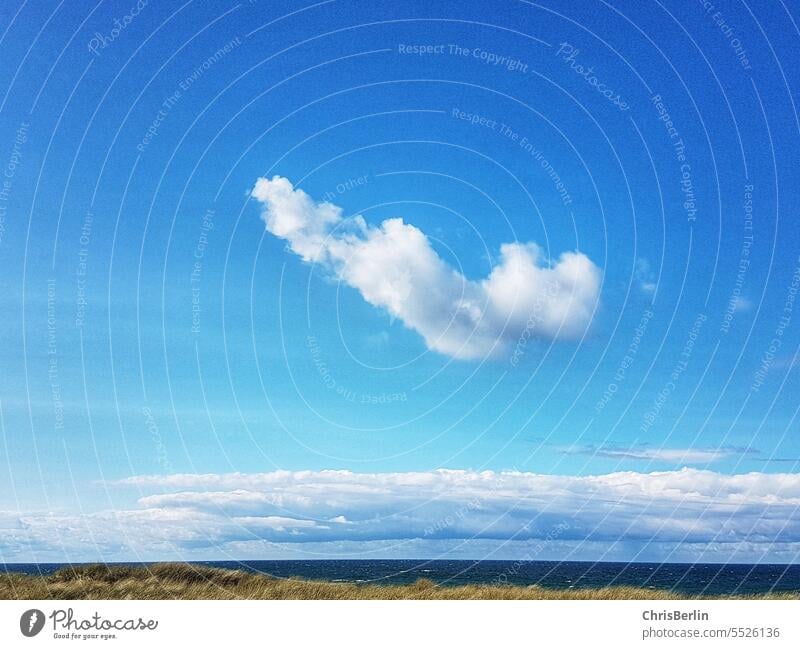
153 326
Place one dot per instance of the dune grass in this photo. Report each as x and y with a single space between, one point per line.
186 581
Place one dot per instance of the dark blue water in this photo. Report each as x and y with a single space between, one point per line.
688 579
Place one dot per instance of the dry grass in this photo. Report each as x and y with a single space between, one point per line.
185 581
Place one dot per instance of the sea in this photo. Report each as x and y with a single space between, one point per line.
708 579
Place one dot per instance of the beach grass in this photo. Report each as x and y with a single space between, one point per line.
188 581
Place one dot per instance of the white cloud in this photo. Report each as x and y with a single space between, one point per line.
395 268
644 275
214 514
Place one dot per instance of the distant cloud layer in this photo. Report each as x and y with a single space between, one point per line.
660 454
220 514
396 269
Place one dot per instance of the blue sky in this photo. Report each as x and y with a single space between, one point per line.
160 318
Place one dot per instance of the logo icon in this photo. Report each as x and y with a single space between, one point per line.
31 622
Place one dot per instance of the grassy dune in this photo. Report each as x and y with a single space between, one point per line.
184 581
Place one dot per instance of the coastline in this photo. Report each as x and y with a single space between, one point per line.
190 581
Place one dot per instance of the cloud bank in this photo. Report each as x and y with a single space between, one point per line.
395 268
215 515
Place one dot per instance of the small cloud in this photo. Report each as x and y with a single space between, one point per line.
380 339
644 276
673 455
396 269
741 304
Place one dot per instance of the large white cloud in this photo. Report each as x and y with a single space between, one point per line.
214 514
396 269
